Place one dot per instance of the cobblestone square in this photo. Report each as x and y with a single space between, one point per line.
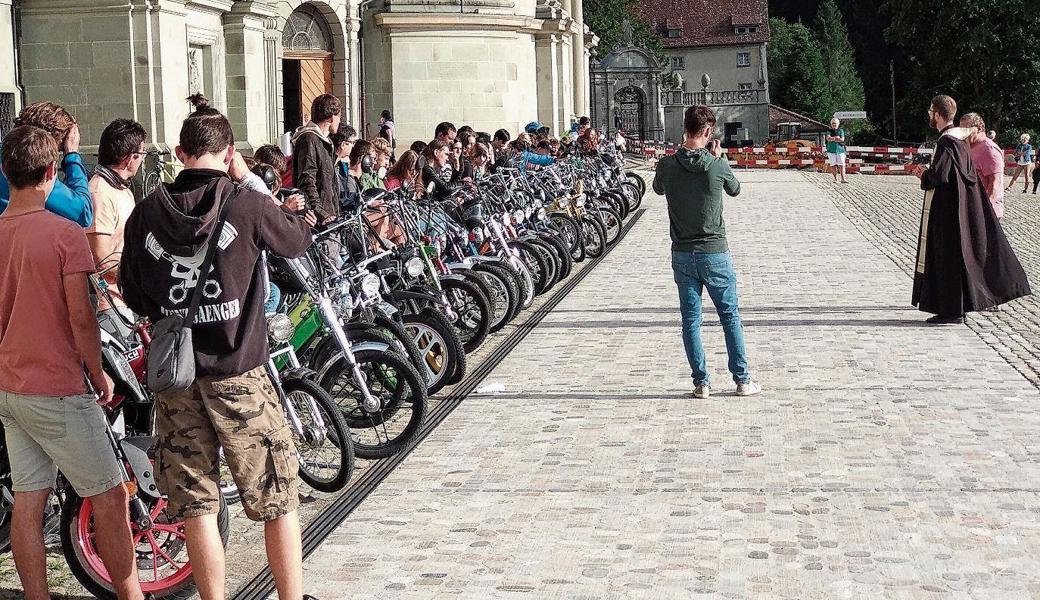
884 459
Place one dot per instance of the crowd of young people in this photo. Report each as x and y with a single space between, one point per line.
56 232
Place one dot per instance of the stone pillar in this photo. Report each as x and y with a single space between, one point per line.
566 92
273 66
353 108
547 62
580 64
247 74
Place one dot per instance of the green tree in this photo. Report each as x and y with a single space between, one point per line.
606 18
984 54
839 63
797 80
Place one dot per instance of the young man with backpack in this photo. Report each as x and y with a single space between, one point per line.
50 347
232 403
693 180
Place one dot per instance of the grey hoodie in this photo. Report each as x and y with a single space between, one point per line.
693 182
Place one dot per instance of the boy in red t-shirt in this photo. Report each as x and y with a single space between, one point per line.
49 347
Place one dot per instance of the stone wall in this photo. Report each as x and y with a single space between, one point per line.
450 68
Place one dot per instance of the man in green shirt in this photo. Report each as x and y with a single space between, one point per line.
693 180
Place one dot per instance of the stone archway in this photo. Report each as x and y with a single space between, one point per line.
626 93
313 58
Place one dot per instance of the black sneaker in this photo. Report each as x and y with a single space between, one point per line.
940 320
309 597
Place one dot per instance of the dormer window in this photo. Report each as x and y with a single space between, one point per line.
745 29
674 28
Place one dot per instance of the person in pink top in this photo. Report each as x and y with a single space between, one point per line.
50 348
404 171
989 161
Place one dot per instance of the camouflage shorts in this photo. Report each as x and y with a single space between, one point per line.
243 415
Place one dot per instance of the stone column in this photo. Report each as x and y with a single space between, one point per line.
273 66
580 64
247 73
352 29
548 68
567 85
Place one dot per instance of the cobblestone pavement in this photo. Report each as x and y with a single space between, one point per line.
885 458
887 210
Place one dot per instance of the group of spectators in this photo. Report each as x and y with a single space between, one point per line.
56 233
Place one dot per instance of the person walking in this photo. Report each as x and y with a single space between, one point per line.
964 261
988 159
1023 163
232 404
1036 170
50 345
836 156
693 181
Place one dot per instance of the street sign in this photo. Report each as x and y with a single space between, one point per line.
846 115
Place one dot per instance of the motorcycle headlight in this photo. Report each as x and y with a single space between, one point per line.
565 202
370 285
541 214
413 266
528 211
580 202
518 216
279 328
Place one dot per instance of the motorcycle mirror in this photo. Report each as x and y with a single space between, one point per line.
373 195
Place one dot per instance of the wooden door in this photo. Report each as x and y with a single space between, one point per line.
315 80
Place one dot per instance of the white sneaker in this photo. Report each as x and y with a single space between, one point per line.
701 391
748 389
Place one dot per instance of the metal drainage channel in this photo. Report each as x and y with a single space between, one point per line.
262 585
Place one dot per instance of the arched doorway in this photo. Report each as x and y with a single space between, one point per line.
307 60
630 111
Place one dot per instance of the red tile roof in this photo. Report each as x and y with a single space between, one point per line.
706 22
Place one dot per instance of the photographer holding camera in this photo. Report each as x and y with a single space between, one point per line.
692 181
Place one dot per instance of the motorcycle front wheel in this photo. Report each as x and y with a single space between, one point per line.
392 381
324 446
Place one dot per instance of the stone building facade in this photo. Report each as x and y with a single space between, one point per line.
725 40
488 63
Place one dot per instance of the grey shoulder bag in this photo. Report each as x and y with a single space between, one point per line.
171 354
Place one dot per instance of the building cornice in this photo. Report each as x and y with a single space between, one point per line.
401 22
95 7
218 7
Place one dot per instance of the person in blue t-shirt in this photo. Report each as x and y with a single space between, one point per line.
69 198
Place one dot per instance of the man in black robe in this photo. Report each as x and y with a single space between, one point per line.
964 261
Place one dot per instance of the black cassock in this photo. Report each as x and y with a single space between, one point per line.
964 261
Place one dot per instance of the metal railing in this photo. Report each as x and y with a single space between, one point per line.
714 98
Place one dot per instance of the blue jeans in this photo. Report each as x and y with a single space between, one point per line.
693 272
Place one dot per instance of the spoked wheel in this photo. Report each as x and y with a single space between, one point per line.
323 442
611 223
639 183
562 253
571 233
535 264
395 386
473 312
499 298
552 262
162 554
594 236
634 192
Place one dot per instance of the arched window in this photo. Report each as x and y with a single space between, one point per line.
306 30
